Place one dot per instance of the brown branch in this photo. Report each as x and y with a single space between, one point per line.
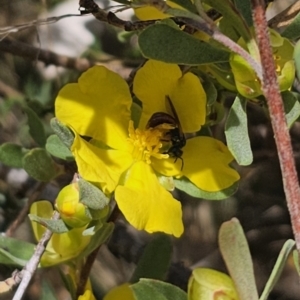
271 91
48 57
23 213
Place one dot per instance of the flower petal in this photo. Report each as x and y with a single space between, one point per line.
146 204
189 99
206 164
97 106
152 83
152 13
103 166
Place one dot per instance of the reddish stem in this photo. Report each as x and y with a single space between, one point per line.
281 132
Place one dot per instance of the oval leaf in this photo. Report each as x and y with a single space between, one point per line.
147 289
56 226
291 107
236 131
160 40
36 127
155 260
38 164
57 148
91 196
15 252
188 187
63 132
236 254
12 155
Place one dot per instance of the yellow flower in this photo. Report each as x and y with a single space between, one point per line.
110 152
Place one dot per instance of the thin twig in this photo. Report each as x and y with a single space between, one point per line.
23 213
16 28
48 57
271 91
91 7
28 271
86 269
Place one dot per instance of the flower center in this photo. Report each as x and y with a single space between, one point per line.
147 143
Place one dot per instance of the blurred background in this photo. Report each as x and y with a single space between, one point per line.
36 61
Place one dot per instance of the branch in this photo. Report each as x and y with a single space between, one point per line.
24 276
90 6
23 213
271 91
48 57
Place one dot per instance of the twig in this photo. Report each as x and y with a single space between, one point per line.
23 213
48 57
285 17
28 271
271 90
111 18
16 28
86 269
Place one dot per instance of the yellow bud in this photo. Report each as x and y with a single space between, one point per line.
71 210
211 284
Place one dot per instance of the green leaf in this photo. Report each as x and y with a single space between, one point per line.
12 155
56 226
159 41
99 238
296 261
188 187
291 107
277 270
57 148
236 254
244 8
91 196
36 127
292 31
187 4
38 164
228 10
15 252
47 291
296 57
210 91
63 132
150 289
155 260
236 132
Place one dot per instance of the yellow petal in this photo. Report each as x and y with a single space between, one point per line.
103 166
88 295
123 292
146 204
167 167
189 100
152 83
206 164
152 13
97 106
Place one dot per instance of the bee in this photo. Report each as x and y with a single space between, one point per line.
175 135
